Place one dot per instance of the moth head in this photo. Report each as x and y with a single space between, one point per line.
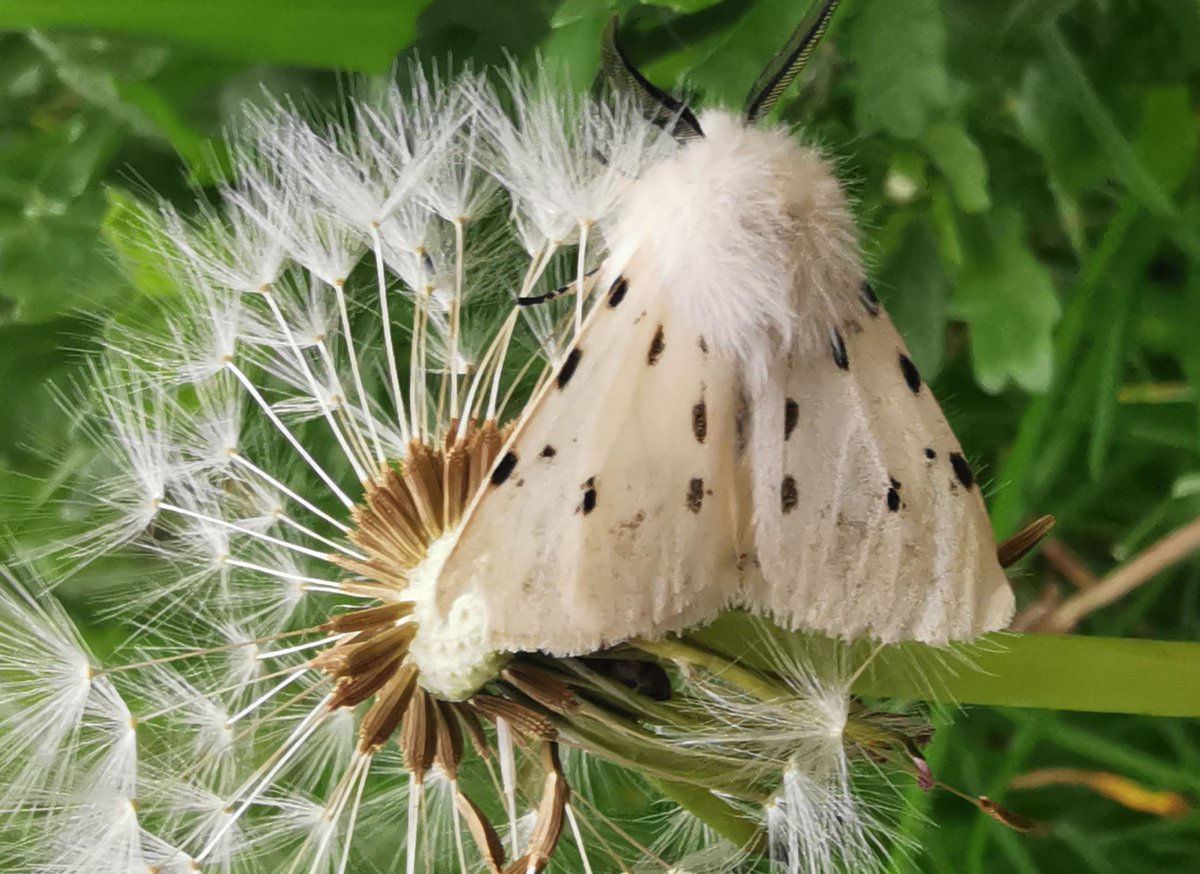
673 115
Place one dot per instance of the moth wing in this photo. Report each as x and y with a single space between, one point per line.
610 513
868 519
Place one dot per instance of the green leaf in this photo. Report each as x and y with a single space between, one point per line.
118 77
33 429
1009 301
898 49
574 38
1167 141
916 289
962 163
351 34
55 263
684 6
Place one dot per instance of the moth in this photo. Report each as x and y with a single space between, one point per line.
738 423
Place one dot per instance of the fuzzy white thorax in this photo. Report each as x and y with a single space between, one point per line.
750 234
453 648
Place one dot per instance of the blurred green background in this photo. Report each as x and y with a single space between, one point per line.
1025 174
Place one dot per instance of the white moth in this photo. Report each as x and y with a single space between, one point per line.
738 424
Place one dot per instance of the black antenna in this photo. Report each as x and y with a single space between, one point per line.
790 60
657 105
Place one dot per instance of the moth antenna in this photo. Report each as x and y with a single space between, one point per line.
789 61
656 105
554 294
1015 548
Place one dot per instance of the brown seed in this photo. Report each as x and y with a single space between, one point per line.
1014 821
366 650
523 720
388 710
423 476
353 690
449 739
551 811
361 620
483 833
456 474
474 729
418 737
542 686
1024 541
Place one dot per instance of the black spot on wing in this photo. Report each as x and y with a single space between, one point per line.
700 421
791 417
895 482
548 451
504 469
569 366
789 495
616 294
838 346
589 496
695 495
962 470
930 453
893 500
867 295
703 345
741 424
912 377
657 345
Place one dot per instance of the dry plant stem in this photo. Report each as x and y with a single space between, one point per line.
1121 789
1173 548
1034 613
1068 565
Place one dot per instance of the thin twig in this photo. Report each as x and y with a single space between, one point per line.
1068 565
1031 617
1173 548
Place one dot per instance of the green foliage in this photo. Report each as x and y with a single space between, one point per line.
352 34
1026 179
901 81
1005 294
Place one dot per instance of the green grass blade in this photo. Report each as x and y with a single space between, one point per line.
1057 672
1063 672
